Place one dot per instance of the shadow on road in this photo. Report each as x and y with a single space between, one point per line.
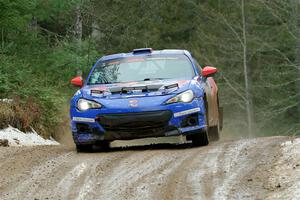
145 144
152 147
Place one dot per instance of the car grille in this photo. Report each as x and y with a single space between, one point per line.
135 125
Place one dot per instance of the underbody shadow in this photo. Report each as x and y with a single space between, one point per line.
144 147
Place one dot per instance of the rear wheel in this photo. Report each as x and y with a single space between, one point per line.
84 148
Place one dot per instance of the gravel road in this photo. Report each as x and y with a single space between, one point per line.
261 168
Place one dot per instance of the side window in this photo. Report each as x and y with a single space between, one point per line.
199 69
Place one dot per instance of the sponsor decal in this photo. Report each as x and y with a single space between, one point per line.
114 63
164 58
83 119
183 82
186 112
100 88
129 60
98 91
133 103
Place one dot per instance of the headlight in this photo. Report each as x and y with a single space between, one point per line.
83 104
184 97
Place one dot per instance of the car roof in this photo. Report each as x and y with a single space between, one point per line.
153 52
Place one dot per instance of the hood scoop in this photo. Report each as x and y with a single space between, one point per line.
156 89
142 88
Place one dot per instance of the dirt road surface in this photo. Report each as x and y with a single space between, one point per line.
261 168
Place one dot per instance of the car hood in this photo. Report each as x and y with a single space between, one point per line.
135 89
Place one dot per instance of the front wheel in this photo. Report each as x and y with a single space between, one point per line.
84 147
200 139
103 146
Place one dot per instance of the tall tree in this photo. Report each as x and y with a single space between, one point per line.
78 23
296 29
246 75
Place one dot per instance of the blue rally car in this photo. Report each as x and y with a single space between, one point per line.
145 93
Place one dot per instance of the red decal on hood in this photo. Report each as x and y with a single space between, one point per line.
100 88
182 83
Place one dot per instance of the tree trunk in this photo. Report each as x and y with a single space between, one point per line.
296 29
95 30
2 39
34 25
78 24
246 74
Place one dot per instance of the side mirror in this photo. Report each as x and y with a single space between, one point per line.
77 81
208 71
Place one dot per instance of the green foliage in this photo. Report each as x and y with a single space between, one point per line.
36 65
44 78
14 14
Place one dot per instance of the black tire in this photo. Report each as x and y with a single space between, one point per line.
103 146
200 139
84 148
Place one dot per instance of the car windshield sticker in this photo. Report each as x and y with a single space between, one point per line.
164 58
113 63
130 60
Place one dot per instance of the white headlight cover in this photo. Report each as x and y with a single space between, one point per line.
184 97
84 104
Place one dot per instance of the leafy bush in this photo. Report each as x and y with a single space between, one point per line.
40 86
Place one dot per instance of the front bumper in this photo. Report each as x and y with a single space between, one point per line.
168 120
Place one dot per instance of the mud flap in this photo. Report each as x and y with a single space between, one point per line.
221 117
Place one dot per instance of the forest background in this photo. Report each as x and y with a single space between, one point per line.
255 44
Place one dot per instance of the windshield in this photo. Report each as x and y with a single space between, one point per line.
142 68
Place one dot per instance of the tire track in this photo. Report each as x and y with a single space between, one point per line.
185 182
116 182
218 171
97 173
151 177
